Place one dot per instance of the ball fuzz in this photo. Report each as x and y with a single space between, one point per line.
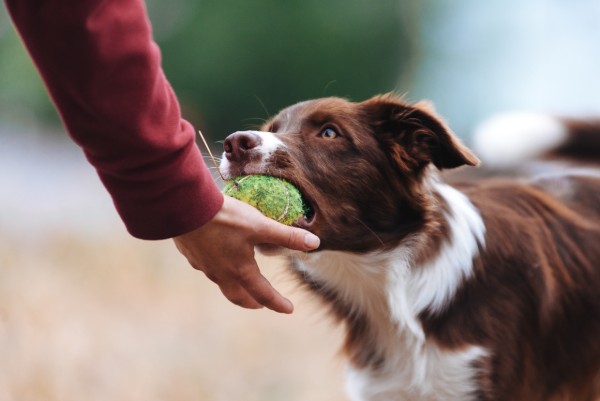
273 197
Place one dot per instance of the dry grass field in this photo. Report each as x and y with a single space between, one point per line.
114 318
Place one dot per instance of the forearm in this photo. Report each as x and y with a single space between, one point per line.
102 69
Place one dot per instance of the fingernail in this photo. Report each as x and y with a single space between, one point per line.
312 241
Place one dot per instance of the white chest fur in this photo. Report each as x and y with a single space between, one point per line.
391 292
426 373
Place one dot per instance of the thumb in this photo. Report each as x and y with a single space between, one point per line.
288 237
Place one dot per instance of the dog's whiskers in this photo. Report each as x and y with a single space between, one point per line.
210 154
262 105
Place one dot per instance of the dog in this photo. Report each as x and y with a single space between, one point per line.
487 289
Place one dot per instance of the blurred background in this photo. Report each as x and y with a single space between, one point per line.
88 312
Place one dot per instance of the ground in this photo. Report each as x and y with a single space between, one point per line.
122 319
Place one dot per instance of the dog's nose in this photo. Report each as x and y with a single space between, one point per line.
237 145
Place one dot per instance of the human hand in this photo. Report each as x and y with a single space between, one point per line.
223 249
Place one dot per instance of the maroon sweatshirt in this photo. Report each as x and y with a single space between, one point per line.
103 72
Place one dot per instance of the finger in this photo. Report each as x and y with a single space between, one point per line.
238 296
232 289
289 237
259 288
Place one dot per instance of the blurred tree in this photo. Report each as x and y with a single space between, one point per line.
235 63
226 59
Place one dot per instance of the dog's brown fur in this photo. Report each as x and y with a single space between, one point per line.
534 299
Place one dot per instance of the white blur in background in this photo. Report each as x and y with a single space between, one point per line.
484 57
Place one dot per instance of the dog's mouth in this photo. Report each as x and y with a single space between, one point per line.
311 209
309 217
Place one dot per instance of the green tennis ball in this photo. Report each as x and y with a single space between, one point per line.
273 197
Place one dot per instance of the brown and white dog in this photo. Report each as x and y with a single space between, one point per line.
488 290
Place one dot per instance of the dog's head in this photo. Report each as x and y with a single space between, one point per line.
362 167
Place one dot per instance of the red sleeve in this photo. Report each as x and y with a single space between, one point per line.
103 72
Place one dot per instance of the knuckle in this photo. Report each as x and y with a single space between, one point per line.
292 238
245 275
235 297
243 300
211 276
263 229
266 298
239 301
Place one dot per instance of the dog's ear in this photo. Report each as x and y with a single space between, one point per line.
414 135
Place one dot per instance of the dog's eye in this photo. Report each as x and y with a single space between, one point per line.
329 133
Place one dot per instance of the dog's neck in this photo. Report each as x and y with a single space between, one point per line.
380 295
